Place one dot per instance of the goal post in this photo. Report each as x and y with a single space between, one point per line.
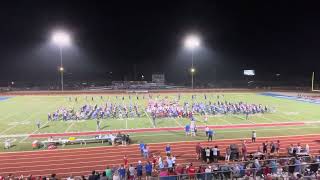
313 87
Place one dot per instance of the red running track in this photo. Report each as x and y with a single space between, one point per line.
82 161
237 126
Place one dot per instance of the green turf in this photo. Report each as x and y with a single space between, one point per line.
18 115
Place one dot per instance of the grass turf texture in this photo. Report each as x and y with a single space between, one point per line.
19 114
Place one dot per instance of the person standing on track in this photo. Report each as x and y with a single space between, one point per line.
125 161
265 147
207 131
187 129
278 147
168 150
141 146
244 151
198 151
254 136
210 135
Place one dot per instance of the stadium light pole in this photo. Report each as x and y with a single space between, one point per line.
192 42
61 39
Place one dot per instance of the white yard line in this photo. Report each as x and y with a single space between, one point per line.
41 125
177 122
149 119
69 127
22 140
8 129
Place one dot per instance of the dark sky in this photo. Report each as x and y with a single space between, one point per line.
268 36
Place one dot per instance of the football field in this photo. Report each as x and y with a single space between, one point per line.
20 114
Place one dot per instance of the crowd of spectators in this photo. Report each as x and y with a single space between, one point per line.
297 163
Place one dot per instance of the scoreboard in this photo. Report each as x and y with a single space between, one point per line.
158 78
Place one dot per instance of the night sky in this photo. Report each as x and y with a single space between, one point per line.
146 37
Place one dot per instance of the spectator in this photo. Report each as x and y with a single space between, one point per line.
307 149
169 162
122 172
191 172
116 176
208 172
174 160
108 173
298 149
160 163
215 153
53 177
148 168
207 152
104 176
200 172
69 178
244 151
228 152
297 166
154 160
131 172
139 170
290 149
256 167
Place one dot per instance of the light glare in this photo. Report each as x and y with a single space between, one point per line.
192 42
61 38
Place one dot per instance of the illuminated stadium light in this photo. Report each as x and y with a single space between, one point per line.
192 42
61 39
